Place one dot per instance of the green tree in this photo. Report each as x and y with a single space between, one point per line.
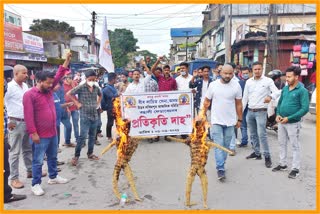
122 42
51 25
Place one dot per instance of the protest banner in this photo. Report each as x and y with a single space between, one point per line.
160 113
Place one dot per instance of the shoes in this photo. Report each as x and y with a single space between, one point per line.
100 135
97 143
17 184
268 162
37 190
221 175
156 139
59 150
294 173
58 180
74 161
242 145
72 145
280 168
15 197
254 156
233 152
29 174
167 139
238 142
150 140
59 163
93 157
58 169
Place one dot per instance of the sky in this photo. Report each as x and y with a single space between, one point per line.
150 24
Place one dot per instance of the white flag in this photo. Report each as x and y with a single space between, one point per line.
105 56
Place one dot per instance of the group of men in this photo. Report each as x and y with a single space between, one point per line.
229 101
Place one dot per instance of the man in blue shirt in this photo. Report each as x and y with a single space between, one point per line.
108 94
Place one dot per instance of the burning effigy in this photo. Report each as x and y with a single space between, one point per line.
126 146
199 150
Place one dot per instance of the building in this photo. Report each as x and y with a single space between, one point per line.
225 25
183 47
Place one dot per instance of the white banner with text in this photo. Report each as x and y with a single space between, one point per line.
158 113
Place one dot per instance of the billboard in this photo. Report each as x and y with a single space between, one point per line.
12 32
32 44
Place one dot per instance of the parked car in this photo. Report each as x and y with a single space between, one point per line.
312 106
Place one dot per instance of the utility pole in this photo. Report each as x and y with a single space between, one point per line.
274 44
228 31
93 37
187 37
267 39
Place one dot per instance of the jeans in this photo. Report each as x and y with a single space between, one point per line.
68 128
18 139
289 133
110 123
99 125
244 130
48 146
58 134
221 135
232 145
258 133
6 188
87 126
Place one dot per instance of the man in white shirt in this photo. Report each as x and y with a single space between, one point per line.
184 78
140 85
257 94
183 81
18 137
225 114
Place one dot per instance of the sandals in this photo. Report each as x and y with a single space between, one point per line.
93 157
74 161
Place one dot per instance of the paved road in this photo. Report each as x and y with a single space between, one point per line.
160 171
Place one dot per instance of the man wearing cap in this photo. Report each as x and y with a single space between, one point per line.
89 98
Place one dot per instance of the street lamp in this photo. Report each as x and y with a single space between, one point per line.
187 37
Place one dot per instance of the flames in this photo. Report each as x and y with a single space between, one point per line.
122 126
200 132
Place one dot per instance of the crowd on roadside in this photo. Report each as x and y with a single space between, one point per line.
231 97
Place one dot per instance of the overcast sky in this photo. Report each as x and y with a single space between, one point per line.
150 24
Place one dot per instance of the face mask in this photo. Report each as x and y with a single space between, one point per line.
245 76
90 83
183 73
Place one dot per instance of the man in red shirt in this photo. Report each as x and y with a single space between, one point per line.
40 119
165 81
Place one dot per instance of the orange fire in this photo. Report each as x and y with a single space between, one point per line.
122 127
200 126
